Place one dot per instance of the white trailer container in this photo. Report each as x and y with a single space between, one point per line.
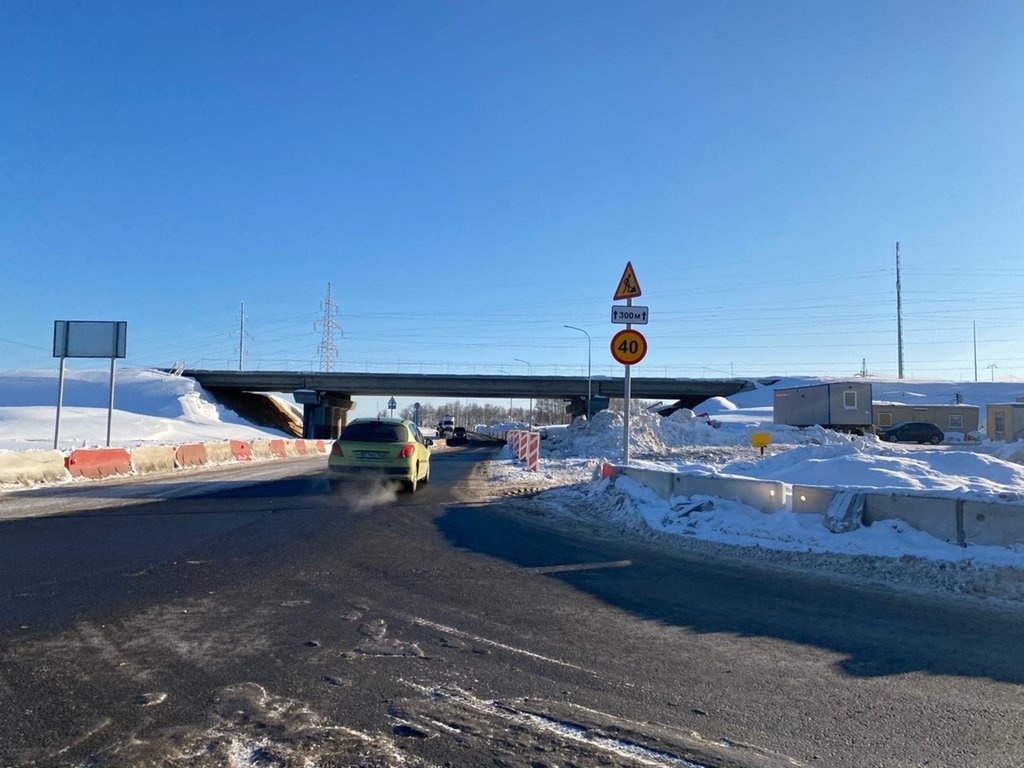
842 405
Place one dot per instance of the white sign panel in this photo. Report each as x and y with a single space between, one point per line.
89 338
629 315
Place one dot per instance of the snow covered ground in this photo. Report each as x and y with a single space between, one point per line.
153 407
149 407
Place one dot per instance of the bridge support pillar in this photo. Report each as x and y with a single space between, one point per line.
324 419
577 406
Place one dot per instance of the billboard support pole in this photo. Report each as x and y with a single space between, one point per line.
110 406
60 402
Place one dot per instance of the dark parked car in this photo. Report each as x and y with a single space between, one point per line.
912 432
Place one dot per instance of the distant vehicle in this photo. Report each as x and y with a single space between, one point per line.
912 432
446 427
459 436
380 449
460 432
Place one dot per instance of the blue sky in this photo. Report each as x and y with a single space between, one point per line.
471 176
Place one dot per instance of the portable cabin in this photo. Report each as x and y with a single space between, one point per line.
949 417
1005 421
842 405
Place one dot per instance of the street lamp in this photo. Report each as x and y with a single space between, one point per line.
530 417
589 344
992 368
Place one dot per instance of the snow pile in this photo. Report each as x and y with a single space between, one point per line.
149 407
626 504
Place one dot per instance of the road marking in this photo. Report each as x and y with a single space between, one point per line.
636 753
476 638
580 566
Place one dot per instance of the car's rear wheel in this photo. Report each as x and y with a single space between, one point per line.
413 484
935 440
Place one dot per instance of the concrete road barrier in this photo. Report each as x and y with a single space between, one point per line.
766 495
219 453
241 450
930 514
301 448
991 523
190 455
147 459
32 467
812 499
658 480
97 463
277 448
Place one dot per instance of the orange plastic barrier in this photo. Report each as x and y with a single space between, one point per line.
96 463
277 448
241 450
300 448
321 446
608 470
190 455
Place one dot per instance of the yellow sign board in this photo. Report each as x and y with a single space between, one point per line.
628 288
629 346
760 439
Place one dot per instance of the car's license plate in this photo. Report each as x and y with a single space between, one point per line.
371 454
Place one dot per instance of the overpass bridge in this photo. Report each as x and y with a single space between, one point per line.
327 397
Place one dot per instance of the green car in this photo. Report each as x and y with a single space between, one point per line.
380 449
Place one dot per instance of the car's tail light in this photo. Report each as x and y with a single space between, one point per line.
336 450
407 451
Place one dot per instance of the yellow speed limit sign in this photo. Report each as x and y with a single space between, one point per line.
629 346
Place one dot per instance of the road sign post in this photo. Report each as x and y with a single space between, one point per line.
392 405
628 346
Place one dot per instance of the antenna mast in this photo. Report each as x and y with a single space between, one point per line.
327 349
899 315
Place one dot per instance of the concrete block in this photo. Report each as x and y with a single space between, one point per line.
147 459
932 515
996 524
658 480
812 499
219 452
765 495
32 467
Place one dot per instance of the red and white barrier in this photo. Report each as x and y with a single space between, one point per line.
97 463
525 446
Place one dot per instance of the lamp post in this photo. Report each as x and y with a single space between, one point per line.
589 385
992 368
530 367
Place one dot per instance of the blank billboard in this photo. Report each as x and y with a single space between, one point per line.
89 338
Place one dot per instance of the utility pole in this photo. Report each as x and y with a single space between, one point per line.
241 337
327 349
899 315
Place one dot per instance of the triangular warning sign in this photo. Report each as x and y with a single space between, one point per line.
628 288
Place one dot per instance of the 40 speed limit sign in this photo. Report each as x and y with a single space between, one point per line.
629 346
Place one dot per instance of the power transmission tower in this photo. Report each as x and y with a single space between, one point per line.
241 337
327 349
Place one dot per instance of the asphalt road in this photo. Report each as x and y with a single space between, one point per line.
249 618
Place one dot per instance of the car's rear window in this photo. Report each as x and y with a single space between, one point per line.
375 432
